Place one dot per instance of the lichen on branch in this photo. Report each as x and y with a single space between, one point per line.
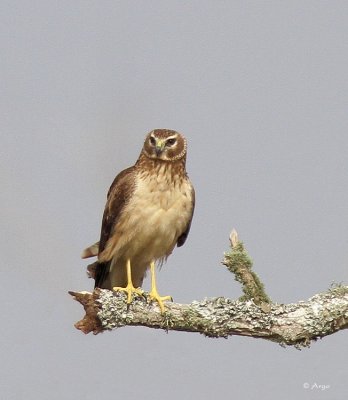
238 261
252 315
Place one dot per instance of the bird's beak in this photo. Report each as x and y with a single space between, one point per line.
159 146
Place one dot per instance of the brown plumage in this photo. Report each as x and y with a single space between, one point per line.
148 211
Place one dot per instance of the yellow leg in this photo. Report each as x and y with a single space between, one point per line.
129 289
154 296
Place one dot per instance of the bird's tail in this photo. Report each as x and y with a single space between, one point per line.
91 251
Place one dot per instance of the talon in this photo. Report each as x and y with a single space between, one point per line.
160 300
154 295
129 289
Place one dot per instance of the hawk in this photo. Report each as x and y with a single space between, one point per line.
148 212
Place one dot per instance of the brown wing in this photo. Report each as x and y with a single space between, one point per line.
182 238
120 191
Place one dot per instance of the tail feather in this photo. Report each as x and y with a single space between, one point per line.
91 251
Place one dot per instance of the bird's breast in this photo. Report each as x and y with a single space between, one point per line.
155 216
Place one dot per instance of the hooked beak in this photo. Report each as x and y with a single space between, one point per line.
160 144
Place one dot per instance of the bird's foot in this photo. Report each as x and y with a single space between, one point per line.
154 296
130 290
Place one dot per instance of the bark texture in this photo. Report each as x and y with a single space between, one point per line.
252 315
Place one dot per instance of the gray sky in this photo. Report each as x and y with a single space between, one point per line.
260 90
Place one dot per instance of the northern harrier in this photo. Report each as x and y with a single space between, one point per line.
148 211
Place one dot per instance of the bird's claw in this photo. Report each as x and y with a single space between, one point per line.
130 290
154 296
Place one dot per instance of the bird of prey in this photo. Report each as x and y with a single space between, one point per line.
148 211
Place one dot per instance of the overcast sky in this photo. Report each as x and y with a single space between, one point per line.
260 90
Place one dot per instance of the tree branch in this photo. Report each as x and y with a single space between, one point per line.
240 264
252 315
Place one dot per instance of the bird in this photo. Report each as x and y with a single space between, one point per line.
148 212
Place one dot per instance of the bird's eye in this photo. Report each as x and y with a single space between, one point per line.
171 142
153 141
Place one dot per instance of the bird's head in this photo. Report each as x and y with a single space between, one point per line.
165 144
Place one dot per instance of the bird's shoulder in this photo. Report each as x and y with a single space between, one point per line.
123 181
